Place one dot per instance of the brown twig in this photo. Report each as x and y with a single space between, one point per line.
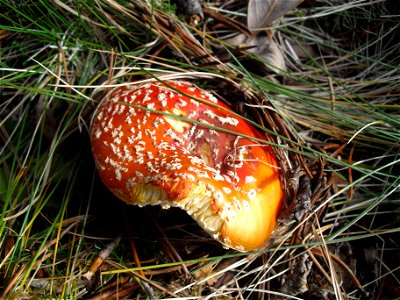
350 173
103 255
235 25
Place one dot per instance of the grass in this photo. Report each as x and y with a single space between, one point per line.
338 96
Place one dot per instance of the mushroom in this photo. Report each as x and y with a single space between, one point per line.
174 144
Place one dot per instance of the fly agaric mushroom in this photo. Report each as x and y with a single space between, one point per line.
174 144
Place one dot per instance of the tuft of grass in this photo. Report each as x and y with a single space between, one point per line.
338 97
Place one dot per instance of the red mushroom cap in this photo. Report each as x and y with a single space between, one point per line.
162 144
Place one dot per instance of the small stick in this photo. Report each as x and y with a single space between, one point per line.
133 249
103 255
149 290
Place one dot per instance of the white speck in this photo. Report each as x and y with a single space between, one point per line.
151 106
228 120
216 152
181 103
192 115
188 176
236 202
210 113
231 213
138 137
218 177
191 146
173 166
194 102
118 175
139 160
194 160
226 190
212 98
176 125
161 97
150 167
110 124
233 175
127 153
251 194
249 179
165 146
150 133
100 115
117 132
119 109
128 120
246 204
199 173
227 178
146 98
199 133
117 168
138 147
114 149
218 197
213 132
132 111
97 133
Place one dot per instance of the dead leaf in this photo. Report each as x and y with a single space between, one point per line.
269 51
261 13
264 48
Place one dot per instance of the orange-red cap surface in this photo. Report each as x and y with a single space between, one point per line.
162 144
